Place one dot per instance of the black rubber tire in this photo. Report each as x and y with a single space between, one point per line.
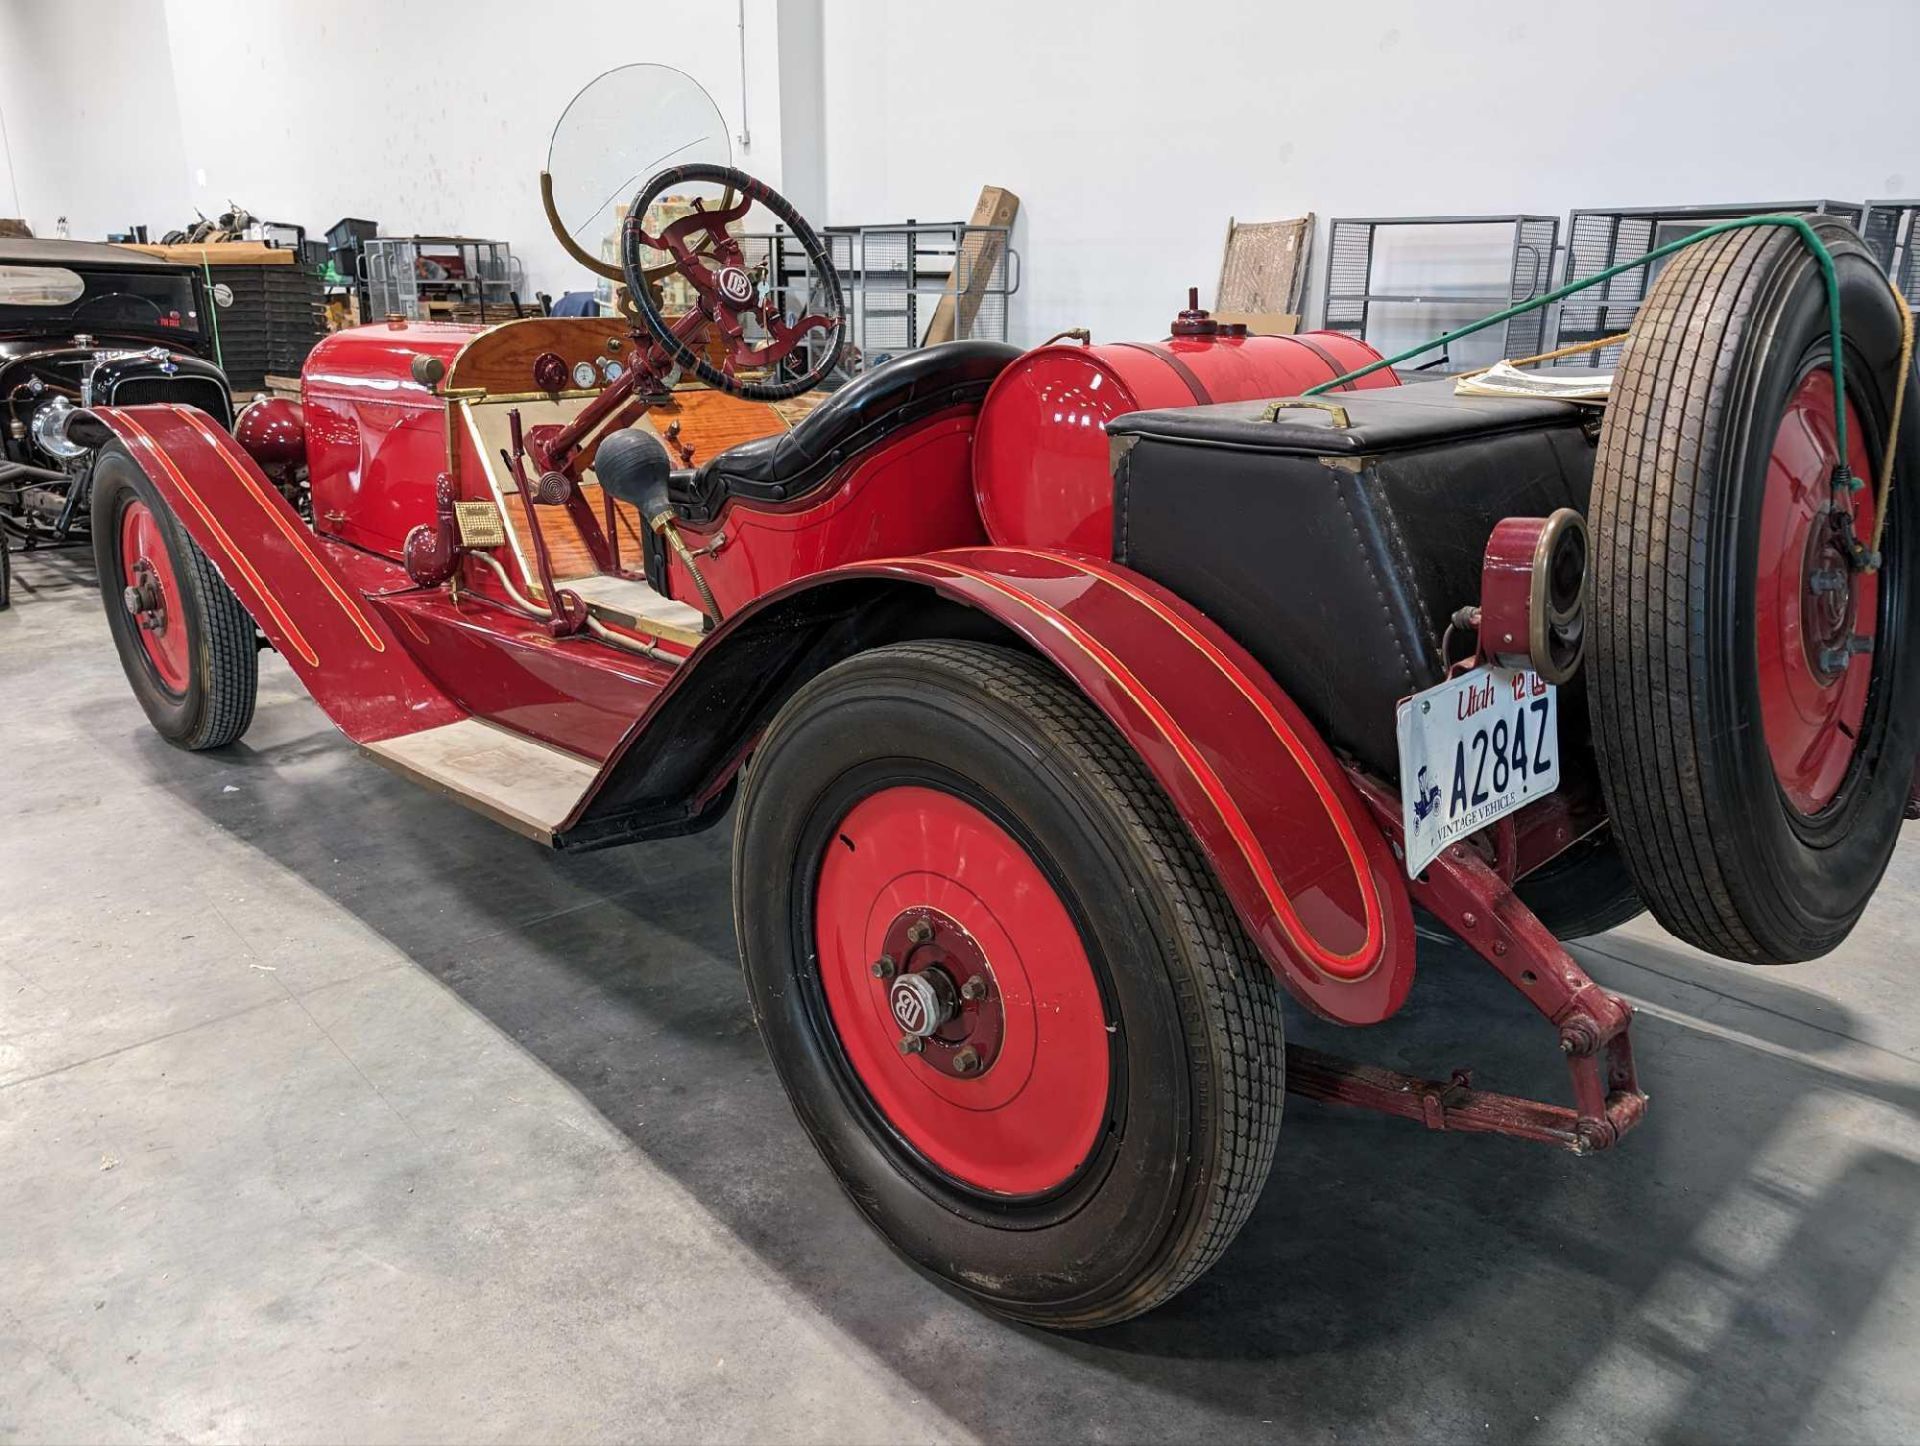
1720 856
223 654
6 572
1583 891
1194 1013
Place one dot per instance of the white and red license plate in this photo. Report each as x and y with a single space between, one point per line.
1473 748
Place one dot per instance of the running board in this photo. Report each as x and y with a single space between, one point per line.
528 786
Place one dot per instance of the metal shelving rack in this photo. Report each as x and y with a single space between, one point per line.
483 291
1350 297
1597 240
895 275
783 261
900 271
1892 232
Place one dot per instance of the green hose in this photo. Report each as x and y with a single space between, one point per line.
1842 474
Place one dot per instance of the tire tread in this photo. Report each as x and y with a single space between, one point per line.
1229 1002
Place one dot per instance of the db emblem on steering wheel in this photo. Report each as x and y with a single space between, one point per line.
735 285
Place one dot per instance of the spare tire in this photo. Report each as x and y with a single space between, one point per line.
1755 698
1582 892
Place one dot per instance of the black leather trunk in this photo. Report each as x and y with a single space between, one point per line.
1336 554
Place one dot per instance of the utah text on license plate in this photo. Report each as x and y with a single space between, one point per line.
1471 749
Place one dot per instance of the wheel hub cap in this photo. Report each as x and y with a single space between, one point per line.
1827 599
148 590
1815 614
922 1002
144 599
943 997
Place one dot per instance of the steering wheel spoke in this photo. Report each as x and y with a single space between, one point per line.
710 258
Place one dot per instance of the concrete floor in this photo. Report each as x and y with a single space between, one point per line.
329 1111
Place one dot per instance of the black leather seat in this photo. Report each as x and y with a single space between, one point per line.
876 404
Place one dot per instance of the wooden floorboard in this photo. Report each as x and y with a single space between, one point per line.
710 422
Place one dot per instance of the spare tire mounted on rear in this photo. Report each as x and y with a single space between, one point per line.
1755 698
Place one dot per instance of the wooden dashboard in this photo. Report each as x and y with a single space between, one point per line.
500 360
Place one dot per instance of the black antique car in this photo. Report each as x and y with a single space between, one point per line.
84 324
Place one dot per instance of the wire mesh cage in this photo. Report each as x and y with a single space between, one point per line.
786 271
439 278
1597 240
1368 290
1892 232
918 282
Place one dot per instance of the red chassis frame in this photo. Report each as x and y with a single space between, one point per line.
1306 849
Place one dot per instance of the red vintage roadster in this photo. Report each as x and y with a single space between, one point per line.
1073 703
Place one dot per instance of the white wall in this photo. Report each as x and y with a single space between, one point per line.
9 187
86 88
1132 130
428 116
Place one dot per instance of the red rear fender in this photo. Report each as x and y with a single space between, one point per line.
1297 851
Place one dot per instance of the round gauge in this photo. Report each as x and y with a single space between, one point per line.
610 369
584 375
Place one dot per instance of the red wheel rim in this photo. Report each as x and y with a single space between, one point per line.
152 595
931 883
1815 615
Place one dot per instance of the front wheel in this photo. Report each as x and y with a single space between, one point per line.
1008 1000
186 644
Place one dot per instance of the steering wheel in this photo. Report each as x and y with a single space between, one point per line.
702 250
147 301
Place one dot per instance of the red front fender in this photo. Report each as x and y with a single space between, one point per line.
290 580
1299 854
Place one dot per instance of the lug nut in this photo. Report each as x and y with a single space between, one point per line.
919 931
883 967
974 988
1835 660
966 1060
911 1044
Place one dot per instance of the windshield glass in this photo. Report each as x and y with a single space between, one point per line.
54 298
618 133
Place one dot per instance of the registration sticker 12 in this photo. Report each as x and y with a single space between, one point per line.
1471 749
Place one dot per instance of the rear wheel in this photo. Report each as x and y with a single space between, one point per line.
186 644
1009 1002
1755 699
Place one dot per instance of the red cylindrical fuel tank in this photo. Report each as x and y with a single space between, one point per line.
1040 468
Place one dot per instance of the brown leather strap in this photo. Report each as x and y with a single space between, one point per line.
1185 372
1327 357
